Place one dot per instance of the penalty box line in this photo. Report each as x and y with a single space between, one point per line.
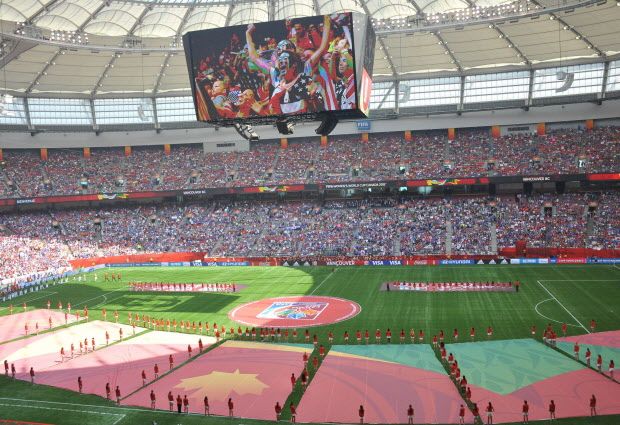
119 416
562 305
117 408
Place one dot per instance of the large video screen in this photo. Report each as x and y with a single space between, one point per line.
280 68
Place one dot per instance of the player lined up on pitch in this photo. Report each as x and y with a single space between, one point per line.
182 287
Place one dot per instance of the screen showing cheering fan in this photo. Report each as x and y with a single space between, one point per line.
274 69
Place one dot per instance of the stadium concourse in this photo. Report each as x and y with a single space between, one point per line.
345 158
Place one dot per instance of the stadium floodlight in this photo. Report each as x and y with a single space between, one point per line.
285 126
246 131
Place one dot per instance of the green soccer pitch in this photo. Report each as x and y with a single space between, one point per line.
554 294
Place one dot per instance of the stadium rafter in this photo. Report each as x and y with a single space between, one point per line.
45 8
60 51
116 55
380 40
511 45
448 51
177 37
578 35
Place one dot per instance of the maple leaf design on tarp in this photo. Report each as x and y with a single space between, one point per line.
220 385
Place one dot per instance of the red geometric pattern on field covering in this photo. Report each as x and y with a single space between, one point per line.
385 389
603 339
254 375
12 326
570 391
42 352
121 364
333 310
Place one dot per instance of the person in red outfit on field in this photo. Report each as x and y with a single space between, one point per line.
361 412
476 412
462 414
278 410
410 415
170 401
593 405
152 397
525 410
552 410
231 407
293 412
206 403
490 409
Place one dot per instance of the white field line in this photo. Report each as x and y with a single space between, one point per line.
562 305
34 299
580 280
323 281
115 408
616 266
549 318
62 409
99 296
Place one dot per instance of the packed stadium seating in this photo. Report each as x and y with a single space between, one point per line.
376 226
345 158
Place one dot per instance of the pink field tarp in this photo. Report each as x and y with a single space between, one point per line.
571 393
604 339
384 388
122 364
43 351
255 375
13 326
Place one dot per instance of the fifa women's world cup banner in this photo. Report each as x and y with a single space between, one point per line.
302 66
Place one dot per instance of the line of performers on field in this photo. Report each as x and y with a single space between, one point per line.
453 286
182 287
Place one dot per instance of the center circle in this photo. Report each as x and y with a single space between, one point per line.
295 312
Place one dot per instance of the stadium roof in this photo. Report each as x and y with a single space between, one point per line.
134 47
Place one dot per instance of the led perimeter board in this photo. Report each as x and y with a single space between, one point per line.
298 68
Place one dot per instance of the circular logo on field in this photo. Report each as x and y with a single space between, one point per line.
295 312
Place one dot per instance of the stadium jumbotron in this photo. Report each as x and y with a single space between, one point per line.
331 211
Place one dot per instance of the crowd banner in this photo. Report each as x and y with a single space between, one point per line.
187 259
383 263
569 260
225 263
455 262
529 261
596 260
